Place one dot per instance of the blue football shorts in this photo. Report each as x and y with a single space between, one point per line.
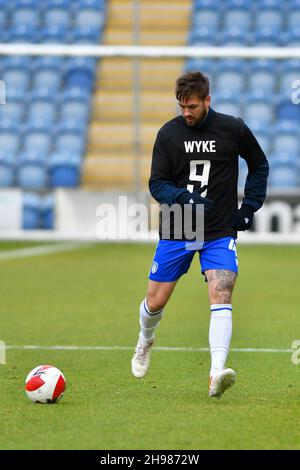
173 258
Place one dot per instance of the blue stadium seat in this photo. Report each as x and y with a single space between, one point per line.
31 211
288 111
89 16
206 66
3 19
271 18
293 38
14 109
284 170
226 102
23 33
231 79
17 62
79 73
234 37
9 136
288 74
32 171
54 35
48 212
65 168
266 37
75 105
96 4
258 108
25 16
58 14
237 16
263 79
202 4
86 35
41 106
17 78
241 4
70 137
206 18
286 138
7 166
38 137
202 37
49 79
293 18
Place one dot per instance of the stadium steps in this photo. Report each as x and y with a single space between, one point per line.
111 151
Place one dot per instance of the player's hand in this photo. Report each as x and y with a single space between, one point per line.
196 198
244 218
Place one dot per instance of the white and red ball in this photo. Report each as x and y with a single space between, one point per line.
45 384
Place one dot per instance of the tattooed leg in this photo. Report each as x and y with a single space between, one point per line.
220 285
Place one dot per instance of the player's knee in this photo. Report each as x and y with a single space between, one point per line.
155 302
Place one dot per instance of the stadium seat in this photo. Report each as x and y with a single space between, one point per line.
202 37
284 172
227 103
38 137
42 106
14 108
65 169
75 105
89 16
293 18
206 18
258 108
25 16
231 79
86 35
271 18
9 136
57 14
23 33
70 137
55 34
47 212
17 78
262 79
79 73
3 19
288 111
237 16
31 211
32 171
7 166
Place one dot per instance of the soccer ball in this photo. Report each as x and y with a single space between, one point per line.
45 384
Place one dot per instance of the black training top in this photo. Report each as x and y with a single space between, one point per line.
189 157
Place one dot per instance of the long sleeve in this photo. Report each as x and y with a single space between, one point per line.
258 169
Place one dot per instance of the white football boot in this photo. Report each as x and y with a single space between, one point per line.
221 382
141 359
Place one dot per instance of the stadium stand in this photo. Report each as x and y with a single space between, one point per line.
259 91
44 122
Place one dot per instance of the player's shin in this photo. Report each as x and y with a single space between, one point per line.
148 321
220 331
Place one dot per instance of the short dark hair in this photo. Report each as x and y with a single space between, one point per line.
192 83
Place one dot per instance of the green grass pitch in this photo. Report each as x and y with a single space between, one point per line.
90 297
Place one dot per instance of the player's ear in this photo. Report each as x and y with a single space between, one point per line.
207 101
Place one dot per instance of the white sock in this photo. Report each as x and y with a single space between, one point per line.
148 321
220 330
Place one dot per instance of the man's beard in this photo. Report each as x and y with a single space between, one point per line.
197 121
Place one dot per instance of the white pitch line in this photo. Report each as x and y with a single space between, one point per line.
39 250
129 348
